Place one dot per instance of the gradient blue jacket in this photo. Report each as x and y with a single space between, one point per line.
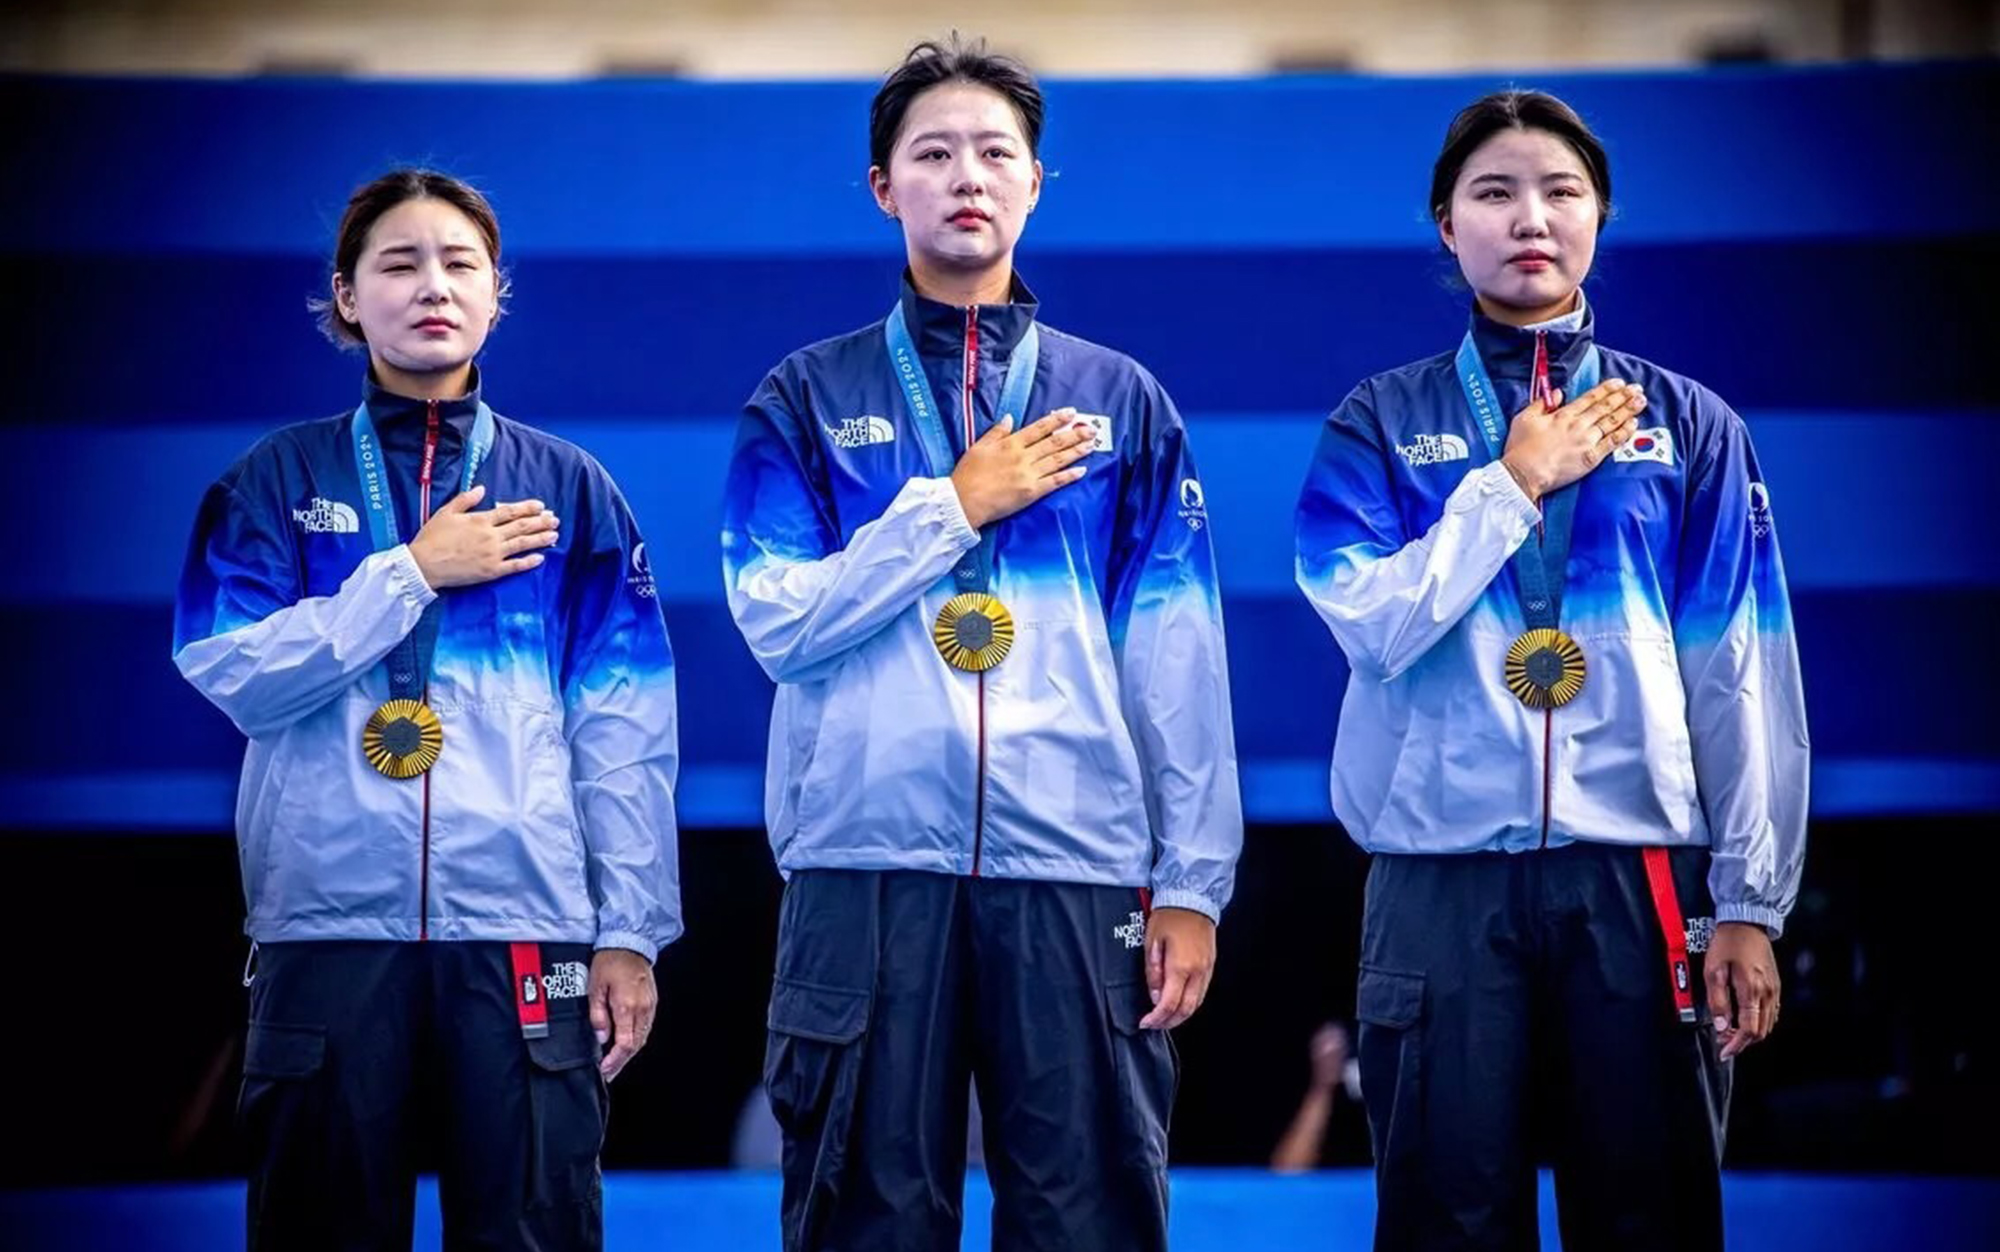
1100 750
1690 728
549 817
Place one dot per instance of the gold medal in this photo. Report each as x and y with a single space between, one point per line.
1545 669
974 631
402 738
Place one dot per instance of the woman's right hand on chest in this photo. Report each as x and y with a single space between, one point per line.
458 547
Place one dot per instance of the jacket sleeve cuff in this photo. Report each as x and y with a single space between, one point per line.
1493 487
1193 901
1769 918
409 576
629 941
951 511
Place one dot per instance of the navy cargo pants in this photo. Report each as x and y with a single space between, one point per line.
355 1046
892 988
1512 1004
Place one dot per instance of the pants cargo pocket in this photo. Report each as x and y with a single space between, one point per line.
1390 1007
810 1060
567 1104
812 1074
281 1114
1148 1073
281 1099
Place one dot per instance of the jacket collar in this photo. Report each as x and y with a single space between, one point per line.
400 420
940 329
1509 351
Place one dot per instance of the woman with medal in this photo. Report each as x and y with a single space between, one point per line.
1573 736
1002 784
456 818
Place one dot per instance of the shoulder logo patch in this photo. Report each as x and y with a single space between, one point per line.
1194 504
641 579
1760 510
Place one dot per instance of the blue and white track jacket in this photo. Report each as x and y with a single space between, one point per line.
549 817
1690 728
1100 750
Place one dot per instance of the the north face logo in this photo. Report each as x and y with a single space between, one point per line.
566 980
860 432
1433 450
1132 932
327 517
1700 933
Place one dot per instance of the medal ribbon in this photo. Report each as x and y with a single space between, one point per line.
1541 570
974 571
410 661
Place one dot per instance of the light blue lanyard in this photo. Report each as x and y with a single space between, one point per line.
975 571
1542 569
374 476
410 661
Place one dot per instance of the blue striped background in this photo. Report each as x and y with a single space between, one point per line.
1817 245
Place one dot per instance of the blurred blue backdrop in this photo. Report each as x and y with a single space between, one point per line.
1817 245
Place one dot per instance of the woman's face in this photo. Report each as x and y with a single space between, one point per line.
424 291
1523 224
960 178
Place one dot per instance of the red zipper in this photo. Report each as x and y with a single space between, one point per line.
1544 393
1540 388
971 388
979 796
423 515
1548 769
424 887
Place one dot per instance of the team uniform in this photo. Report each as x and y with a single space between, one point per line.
972 852
431 931
1551 858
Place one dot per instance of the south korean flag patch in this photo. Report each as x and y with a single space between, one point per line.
1654 443
1101 423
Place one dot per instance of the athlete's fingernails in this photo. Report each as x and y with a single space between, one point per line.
603 1037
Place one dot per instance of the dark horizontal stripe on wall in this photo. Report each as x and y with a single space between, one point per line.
643 167
1887 676
105 694
1924 525
711 796
1861 323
